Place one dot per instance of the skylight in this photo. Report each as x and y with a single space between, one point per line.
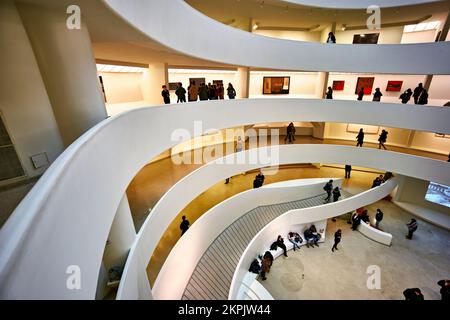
114 68
432 25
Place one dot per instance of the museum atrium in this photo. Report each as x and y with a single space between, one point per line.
97 171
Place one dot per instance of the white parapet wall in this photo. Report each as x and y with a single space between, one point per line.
183 258
303 216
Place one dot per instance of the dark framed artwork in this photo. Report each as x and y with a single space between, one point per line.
217 82
276 85
366 83
338 85
367 38
173 85
394 85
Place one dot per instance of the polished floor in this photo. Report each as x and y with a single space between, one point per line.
318 273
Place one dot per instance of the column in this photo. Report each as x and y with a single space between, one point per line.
242 85
67 65
154 78
121 236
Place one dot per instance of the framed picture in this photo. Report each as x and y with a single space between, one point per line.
352 127
173 85
217 82
338 85
276 85
367 38
366 83
394 86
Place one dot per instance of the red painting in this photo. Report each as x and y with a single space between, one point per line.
338 85
394 86
366 83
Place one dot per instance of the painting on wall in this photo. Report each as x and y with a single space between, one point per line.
217 82
276 85
352 127
394 85
173 85
366 83
338 85
367 38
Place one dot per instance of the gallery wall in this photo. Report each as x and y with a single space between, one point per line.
311 36
387 35
122 86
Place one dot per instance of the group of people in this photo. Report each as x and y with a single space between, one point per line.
202 92
382 138
328 187
420 95
415 294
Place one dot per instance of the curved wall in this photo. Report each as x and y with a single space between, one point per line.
184 257
187 189
358 4
303 216
65 219
166 22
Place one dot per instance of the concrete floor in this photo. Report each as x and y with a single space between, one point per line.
318 273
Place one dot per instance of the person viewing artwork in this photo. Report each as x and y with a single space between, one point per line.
165 94
290 133
231 92
184 225
192 92
331 38
336 194
360 138
360 94
423 98
203 92
220 91
239 144
329 93
417 91
181 93
212 92
406 96
377 95
382 139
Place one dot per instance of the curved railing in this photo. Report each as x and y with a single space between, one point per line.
303 216
65 219
358 4
165 22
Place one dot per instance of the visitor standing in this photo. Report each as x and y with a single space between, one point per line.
290 133
184 225
405 96
377 95
192 92
220 91
165 94
423 98
337 239
329 93
361 94
348 170
360 138
378 218
412 227
417 91
231 92
203 92
336 194
181 93
331 38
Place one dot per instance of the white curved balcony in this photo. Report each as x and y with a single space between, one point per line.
358 4
165 22
82 189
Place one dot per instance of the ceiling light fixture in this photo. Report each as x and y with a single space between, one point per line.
255 26
344 26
